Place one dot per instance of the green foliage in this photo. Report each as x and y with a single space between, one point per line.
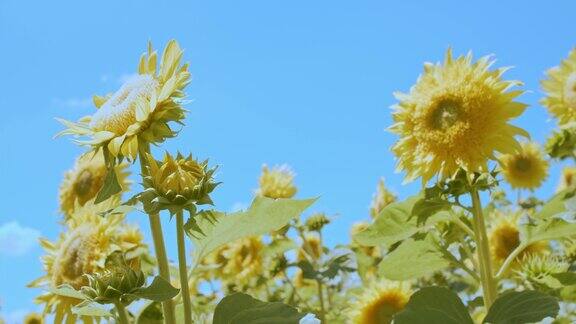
556 205
545 230
263 216
332 268
413 259
110 187
528 306
150 313
159 290
434 305
240 308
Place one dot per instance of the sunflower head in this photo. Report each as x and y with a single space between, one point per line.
560 88
33 318
311 248
316 222
243 260
537 268
379 303
382 198
525 169
277 183
84 248
115 284
455 116
141 110
177 183
83 182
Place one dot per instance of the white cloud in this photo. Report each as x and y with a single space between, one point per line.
16 240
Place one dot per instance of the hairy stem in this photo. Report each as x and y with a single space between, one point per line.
184 290
509 260
122 314
158 238
484 258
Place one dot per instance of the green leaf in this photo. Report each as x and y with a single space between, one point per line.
263 216
546 230
336 265
565 278
556 205
67 291
150 313
412 259
279 246
240 308
110 187
392 225
91 309
159 290
528 306
425 208
434 305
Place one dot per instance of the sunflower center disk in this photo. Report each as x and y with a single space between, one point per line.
446 114
119 112
83 184
523 164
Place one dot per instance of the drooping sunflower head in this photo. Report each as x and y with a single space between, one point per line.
379 303
455 116
178 182
244 260
83 182
141 110
382 198
277 182
34 318
560 88
504 236
526 168
83 248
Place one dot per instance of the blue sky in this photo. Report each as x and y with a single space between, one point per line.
308 83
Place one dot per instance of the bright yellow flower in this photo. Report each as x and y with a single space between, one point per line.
277 183
560 88
240 261
382 198
504 237
83 182
525 169
141 109
33 318
567 179
456 115
83 249
380 302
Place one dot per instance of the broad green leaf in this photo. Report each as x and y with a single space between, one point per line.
150 313
545 230
91 309
110 187
412 259
263 216
240 308
556 205
159 290
434 305
67 291
529 306
565 278
279 246
392 225
425 208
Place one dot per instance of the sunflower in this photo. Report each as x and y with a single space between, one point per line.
567 179
82 249
140 111
83 182
504 237
277 183
456 116
242 260
525 169
33 318
379 303
560 88
311 248
382 198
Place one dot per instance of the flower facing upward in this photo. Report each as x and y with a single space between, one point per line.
382 198
83 182
83 249
177 183
456 115
379 303
560 88
33 318
526 168
140 110
277 183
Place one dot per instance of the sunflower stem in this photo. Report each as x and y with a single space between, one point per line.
158 239
122 314
184 290
484 259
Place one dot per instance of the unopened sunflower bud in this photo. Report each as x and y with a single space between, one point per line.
317 221
113 285
277 183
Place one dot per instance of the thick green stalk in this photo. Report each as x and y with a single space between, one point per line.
184 290
484 258
158 239
122 315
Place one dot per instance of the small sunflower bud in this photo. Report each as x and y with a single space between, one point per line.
317 221
537 269
113 285
178 183
277 183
